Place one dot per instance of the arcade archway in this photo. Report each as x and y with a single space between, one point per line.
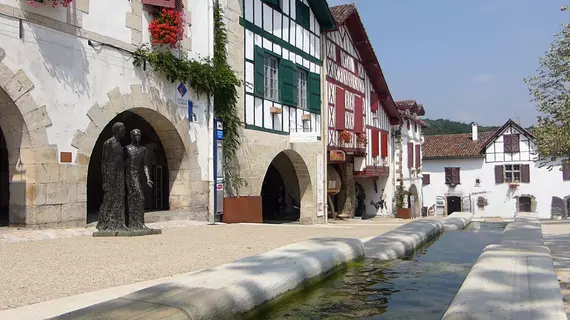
157 197
4 181
286 191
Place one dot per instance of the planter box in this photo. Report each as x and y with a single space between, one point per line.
404 213
243 209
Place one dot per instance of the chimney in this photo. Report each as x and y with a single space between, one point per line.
474 133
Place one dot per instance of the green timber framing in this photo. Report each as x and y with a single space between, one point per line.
287 75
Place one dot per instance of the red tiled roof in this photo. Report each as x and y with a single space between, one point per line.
347 14
458 145
413 105
342 12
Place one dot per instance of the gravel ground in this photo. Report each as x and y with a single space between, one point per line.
36 271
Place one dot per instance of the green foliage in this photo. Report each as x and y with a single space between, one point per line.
400 195
550 89
209 78
444 126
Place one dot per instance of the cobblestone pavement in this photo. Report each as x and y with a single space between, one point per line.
557 237
69 264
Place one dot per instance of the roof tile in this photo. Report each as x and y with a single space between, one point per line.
458 145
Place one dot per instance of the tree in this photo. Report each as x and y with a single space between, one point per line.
550 89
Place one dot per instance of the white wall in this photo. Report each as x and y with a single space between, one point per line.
410 177
70 76
544 184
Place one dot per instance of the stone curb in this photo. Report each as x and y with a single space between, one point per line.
405 239
511 280
232 288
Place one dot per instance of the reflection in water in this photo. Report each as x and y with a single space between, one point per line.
420 287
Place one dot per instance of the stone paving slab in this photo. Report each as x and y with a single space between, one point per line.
64 267
237 287
557 238
511 280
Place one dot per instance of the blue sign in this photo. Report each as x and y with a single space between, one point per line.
190 110
182 89
220 134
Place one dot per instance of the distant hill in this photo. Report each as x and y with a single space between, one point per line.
444 126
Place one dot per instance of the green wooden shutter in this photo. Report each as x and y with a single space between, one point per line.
314 92
288 82
258 79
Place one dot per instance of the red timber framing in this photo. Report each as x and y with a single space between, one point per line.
359 100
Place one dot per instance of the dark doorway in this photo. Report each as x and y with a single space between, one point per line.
360 209
280 192
156 198
4 181
453 205
524 204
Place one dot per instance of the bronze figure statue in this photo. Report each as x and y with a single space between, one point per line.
121 170
135 163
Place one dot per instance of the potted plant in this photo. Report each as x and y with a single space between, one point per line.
55 3
400 196
239 209
167 27
345 137
361 139
513 185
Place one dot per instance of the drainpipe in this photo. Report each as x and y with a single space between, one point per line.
324 128
210 119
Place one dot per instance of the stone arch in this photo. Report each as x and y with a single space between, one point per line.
172 130
30 157
303 184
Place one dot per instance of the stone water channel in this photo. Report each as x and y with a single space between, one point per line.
420 286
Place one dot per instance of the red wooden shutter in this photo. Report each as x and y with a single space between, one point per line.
410 155
161 3
426 179
384 149
338 58
448 178
340 125
358 115
455 176
418 156
374 103
499 174
525 173
375 142
566 172
515 143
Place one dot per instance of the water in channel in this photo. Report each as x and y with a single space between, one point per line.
419 287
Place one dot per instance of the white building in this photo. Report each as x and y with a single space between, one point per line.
67 74
492 174
407 143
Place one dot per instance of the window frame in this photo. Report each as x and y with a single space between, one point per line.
449 178
512 171
304 24
299 95
270 57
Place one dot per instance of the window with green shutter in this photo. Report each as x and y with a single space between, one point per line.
314 92
288 75
303 15
258 79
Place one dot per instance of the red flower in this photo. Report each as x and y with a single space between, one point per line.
167 27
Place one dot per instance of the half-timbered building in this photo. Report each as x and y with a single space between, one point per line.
280 53
408 139
492 174
360 114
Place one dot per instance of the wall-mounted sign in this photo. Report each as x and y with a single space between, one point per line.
337 155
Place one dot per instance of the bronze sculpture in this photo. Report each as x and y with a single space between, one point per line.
121 172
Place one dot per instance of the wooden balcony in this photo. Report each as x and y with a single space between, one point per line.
374 171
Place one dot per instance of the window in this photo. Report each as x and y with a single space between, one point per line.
303 15
566 171
512 173
270 77
276 4
481 202
426 179
452 176
302 89
511 143
415 127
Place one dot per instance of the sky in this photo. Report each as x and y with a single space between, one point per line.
464 60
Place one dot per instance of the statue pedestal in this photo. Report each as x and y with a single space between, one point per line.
127 233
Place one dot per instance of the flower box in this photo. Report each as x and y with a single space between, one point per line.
167 27
54 3
345 137
513 185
